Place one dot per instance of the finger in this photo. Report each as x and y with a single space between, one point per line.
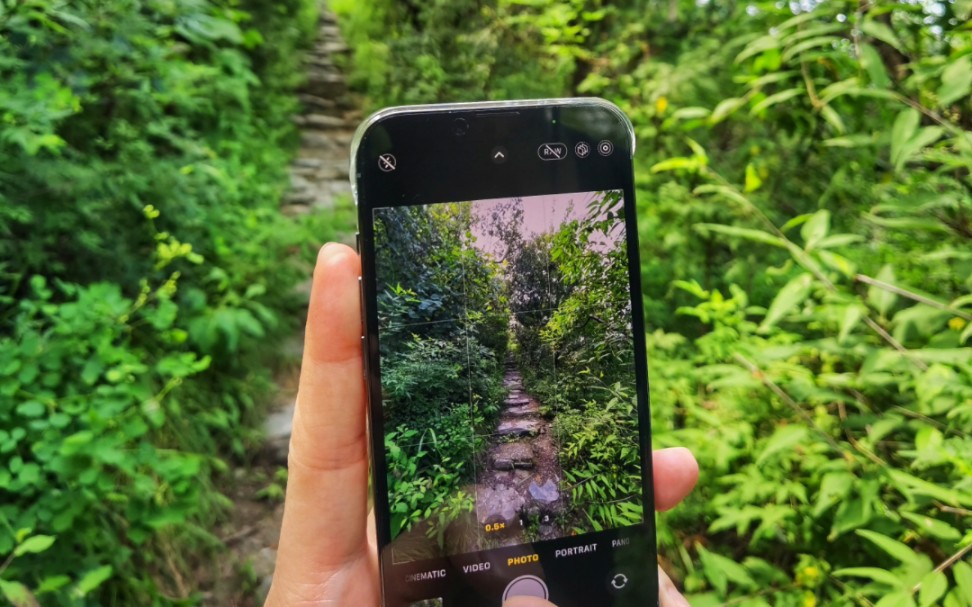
668 594
527 601
326 503
676 473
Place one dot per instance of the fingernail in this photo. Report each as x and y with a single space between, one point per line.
327 251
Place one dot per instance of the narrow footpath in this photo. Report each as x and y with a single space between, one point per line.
318 181
518 487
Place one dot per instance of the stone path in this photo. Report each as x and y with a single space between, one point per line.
518 490
319 178
329 116
319 174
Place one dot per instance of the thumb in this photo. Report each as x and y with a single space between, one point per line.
527 601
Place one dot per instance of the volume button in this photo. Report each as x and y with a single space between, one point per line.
364 343
361 304
357 244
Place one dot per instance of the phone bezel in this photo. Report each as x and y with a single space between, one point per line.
446 171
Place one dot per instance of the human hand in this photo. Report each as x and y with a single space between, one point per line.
328 553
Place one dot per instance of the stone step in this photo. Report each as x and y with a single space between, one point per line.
334 46
547 493
508 456
500 504
330 30
317 103
325 85
521 411
515 401
518 427
321 141
319 121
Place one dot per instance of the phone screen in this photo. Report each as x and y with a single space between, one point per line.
505 381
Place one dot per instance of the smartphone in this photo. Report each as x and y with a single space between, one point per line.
504 354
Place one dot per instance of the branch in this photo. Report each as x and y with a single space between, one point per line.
886 286
786 398
945 565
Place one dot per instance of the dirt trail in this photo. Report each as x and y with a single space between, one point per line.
518 496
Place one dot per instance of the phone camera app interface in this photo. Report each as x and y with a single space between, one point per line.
507 375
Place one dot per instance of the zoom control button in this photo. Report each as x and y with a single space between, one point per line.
526 585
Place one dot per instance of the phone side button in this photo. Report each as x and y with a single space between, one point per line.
357 242
364 359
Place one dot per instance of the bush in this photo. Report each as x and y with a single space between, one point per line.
146 268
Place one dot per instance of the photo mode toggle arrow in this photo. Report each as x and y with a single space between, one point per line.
499 154
552 151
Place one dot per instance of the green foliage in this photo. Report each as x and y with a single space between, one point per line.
805 212
85 447
601 460
443 321
145 268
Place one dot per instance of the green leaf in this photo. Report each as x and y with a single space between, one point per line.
923 224
812 43
677 164
784 439
897 599
933 587
745 233
880 31
872 573
34 545
833 119
815 229
851 141
31 408
725 108
795 221
18 594
838 240
881 299
956 81
910 484
902 131
721 570
852 315
53 584
689 113
962 572
758 46
753 182
725 191
874 66
789 297
93 579
834 487
894 548
775 99
920 141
